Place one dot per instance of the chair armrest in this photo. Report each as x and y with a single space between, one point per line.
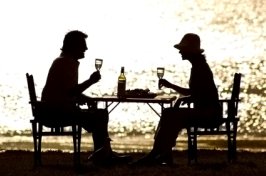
220 100
37 105
232 106
37 102
228 100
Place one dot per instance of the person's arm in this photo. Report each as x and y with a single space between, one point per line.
82 87
181 90
95 77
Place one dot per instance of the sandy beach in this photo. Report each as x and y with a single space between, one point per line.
210 162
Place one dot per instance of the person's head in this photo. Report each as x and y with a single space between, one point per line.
74 44
189 46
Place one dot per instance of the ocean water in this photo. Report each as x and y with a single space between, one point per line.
140 36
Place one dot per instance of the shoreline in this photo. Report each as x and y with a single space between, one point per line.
132 144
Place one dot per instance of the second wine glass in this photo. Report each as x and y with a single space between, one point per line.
160 74
98 64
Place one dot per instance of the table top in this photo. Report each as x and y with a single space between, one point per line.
157 99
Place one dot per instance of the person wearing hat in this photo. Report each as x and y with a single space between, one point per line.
202 92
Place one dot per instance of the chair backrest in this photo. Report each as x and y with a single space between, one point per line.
236 86
31 88
233 105
32 93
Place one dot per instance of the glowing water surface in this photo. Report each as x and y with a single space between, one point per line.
138 35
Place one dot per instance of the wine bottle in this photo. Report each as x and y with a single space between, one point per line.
121 86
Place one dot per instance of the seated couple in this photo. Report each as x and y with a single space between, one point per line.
63 92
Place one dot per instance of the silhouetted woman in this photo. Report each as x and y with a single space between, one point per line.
202 92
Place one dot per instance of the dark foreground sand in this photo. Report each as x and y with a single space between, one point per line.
211 162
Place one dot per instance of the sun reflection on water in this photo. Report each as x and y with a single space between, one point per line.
233 36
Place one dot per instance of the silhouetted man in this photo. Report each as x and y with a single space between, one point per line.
63 94
202 92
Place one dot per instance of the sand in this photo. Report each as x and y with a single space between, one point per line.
210 162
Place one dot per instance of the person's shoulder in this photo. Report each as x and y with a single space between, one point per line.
61 59
58 61
58 58
65 61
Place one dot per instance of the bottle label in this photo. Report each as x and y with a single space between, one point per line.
121 88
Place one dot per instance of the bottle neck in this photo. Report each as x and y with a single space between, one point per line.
122 70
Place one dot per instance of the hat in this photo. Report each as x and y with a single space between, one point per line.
190 42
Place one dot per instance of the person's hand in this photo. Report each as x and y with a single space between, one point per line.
182 101
82 99
165 83
95 77
185 100
86 100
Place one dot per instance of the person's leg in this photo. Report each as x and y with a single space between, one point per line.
98 125
100 129
171 123
169 126
173 120
96 122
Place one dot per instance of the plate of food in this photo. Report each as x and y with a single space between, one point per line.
140 93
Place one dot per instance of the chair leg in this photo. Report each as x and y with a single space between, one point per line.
229 146
79 137
189 152
192 145
39 145
231 140
234 153
195 147
35 138
76 144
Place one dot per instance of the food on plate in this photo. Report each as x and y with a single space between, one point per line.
140 93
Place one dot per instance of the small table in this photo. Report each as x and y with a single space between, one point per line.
162 100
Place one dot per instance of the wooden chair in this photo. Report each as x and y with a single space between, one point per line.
57 130
227 126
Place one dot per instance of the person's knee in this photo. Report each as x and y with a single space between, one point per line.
172 117
103 116
167 114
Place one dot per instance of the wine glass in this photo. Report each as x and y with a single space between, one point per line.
160 74
98 64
